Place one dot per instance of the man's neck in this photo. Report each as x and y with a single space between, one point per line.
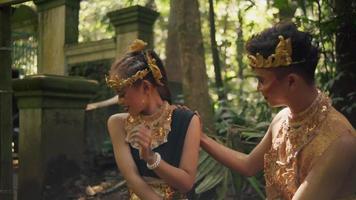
303 99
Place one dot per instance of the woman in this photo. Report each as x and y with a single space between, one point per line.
156 145
309 150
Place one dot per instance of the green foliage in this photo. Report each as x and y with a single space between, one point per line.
24 55
281 4
239 129
210 173
322 23
94 71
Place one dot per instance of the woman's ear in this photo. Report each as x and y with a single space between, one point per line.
146 86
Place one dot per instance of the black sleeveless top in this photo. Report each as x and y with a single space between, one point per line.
170 151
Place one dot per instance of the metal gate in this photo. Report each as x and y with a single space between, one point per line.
24 54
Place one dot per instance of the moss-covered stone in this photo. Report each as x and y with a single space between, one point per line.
52 130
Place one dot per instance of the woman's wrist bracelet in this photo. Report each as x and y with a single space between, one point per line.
156 163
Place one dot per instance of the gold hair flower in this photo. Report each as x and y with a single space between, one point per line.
137 45
154 69
281 57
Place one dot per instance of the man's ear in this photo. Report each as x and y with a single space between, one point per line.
292 79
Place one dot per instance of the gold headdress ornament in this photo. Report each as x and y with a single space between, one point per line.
154 69
119 83
281 57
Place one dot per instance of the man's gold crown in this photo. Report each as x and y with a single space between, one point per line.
281 57
119 83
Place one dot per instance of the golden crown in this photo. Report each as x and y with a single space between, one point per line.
119 83
281 57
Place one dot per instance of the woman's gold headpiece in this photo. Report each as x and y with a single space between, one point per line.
281 57
119 83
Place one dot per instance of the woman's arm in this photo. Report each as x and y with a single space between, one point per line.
181 178
108 102
328 175
125 161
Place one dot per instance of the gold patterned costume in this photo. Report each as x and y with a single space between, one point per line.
298 145
160 124
162 189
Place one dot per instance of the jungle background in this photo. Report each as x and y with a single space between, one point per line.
217 82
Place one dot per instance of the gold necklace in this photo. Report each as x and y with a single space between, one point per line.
300 118
301 132
295 138
158 123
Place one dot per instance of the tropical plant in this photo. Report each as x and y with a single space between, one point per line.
239 132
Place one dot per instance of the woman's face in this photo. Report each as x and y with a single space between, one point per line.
133 99
273 89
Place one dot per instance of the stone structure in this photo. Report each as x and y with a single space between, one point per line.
5 104
24 22
90 51
132 23
58 26
52 138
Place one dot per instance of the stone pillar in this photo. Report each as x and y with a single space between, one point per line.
5 104
52 139
132 23
58 25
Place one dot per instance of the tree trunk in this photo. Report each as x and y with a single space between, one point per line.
191 51
5 104
240 51
214 49
173 66
344 87
240 47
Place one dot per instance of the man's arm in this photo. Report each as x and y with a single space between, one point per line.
247 165
330 172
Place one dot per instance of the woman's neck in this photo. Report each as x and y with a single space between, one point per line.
302 100
153 105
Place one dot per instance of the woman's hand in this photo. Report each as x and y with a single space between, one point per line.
143 138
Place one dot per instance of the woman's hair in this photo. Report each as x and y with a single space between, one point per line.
135 61
305 55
